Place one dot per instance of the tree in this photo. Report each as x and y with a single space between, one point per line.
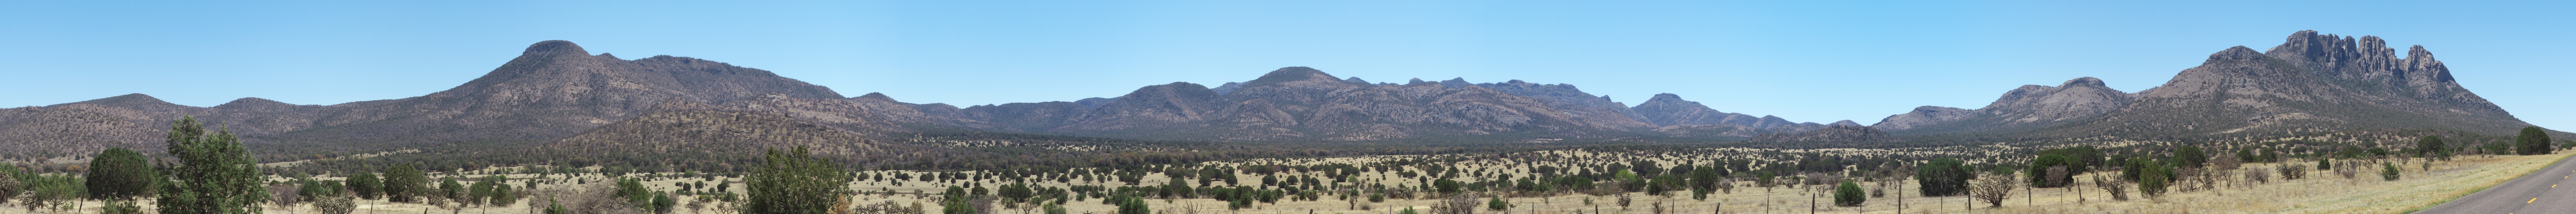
1994 189
2432 147
1944 177
1446 186
2152 179
120 174
406 184
215 175
2191 156
1498 204
335 205
1133 205
663 204
2533 141
2388 171
501 196
1703 181
2112 186
449 189
1848 194
794 182
367 186
10 187
2043 163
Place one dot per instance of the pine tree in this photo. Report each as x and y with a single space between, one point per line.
120 174
1848 194
215 175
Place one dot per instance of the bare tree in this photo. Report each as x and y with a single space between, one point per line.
2057 176
1457 204
2348 168
593 198
2118 189
2258 175
283 195
335 205
1993 188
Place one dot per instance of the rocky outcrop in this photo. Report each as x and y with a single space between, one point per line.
2311 81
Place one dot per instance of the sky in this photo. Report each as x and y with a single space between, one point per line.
1807 61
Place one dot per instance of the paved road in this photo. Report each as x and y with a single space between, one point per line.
2550 190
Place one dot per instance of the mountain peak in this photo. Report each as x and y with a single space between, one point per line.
1667 98
127 100
2239 52
876 95
1292 74
252 102
2083 81
554 47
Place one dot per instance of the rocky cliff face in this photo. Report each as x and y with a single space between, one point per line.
2310 81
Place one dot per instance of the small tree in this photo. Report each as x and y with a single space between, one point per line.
403 183
2152 180
215 175
10 187
2432 148
1848 194
1133 205
2117 190
794 182
1498 204
366 185
120 174
2058 176
2532 141
1944 177
1993 189
335 205
2388 171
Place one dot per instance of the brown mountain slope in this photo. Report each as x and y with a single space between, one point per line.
683 127
2028 107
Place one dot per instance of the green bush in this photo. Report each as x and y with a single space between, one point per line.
2388 171
1848 194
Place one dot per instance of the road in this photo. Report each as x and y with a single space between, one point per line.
2549 190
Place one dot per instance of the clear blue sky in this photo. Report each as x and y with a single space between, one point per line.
1816 61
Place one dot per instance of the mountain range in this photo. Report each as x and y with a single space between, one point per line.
557 95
